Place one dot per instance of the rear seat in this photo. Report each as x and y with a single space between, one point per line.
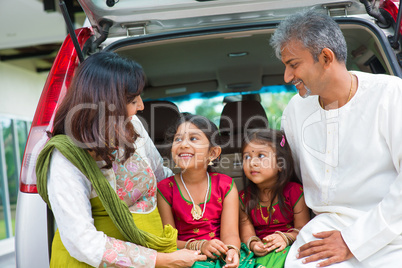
157 117
236 119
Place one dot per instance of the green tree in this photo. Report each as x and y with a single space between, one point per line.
208 109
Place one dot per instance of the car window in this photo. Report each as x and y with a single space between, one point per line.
273 99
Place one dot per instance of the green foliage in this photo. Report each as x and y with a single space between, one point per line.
207 108
274 104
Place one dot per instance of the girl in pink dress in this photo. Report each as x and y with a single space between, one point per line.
202 205
272 206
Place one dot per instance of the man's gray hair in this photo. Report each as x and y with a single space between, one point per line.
314 30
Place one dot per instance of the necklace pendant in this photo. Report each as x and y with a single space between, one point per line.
196 212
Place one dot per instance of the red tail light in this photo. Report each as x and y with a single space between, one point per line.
391 6
53 92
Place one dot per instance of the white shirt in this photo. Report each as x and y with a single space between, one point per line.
349 160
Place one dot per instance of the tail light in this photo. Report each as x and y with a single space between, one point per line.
391 6
53 92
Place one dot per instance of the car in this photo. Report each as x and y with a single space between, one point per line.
205 57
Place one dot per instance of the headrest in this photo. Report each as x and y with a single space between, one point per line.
238 117
157 117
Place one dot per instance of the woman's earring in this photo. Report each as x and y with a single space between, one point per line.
210 162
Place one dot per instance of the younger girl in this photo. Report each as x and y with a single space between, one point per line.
272 207
202 205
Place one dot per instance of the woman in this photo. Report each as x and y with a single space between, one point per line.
102 193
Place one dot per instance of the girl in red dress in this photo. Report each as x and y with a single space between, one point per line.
202 205
272 205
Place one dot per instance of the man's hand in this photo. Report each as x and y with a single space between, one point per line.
331 247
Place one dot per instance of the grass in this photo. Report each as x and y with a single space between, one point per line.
3 233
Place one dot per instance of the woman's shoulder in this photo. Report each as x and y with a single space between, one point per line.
61 164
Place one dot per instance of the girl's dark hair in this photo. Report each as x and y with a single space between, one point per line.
94 110
277 140
204 124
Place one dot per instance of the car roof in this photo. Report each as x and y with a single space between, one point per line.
137 17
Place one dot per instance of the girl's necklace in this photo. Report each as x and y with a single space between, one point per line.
196 210
262 215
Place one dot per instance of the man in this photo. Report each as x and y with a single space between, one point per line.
345 131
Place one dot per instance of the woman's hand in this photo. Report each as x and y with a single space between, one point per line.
274 241
258 248
179 259
232 259
214 248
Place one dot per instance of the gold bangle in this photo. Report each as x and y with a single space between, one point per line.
202 244
251 239
290 238
235 248
293 230
188 242
284 237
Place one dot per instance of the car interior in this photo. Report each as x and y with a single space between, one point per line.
236 62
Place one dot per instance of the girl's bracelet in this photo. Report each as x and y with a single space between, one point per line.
284 237
203 241
188 242
251 239
235 248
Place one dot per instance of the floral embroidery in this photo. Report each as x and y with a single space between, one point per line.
142 205
220 200
205 219
170 184
152 191
196 230
275 221
124 262
212 234
150 172
288 226
135 183
135 195
119 245
120 192
128 184
110 255
124 254
132 167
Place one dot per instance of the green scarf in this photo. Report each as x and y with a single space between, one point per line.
114 206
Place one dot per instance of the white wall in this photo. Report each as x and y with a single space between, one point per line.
20 90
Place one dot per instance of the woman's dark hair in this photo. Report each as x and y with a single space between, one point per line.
204 124
94 111
277 140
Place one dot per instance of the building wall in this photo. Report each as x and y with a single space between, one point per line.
20 90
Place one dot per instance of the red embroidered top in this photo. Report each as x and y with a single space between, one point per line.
208 227
279 221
